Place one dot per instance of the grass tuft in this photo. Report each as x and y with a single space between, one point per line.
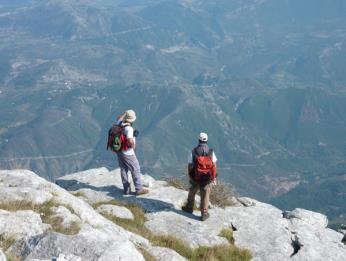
46 213
224 252
228 234
79 194
221 195
147 256
16 163
177 182
220 253
6 242
12 258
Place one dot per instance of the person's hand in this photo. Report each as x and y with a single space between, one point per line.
122 116
214 182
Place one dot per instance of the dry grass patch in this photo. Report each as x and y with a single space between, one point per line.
17 205
12 258
222 194
6 242
177 182
228 234
79 194
16 163
147 256
46 213
220 253
224 252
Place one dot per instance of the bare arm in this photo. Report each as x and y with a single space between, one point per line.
121 117
131 143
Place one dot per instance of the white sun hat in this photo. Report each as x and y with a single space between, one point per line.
130 116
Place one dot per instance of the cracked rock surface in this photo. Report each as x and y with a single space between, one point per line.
116 211
163 254
259 227
97 239
264 229
89 244
21 224
66 215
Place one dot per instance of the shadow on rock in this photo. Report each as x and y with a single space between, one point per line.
150 205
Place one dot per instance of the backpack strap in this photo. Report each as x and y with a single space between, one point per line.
210 153
194 157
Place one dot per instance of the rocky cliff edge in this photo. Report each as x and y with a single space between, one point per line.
86 217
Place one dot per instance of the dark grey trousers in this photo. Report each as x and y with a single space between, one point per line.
130 163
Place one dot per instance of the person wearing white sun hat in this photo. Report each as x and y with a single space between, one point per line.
127 158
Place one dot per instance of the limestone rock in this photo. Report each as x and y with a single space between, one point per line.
106 231
13 194
90 244
116 211
61 257
165 254
259 227
307 218
68 257
21 224
2 256
67 217
262 228
187 227
247 202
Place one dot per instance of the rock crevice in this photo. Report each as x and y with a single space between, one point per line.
261 228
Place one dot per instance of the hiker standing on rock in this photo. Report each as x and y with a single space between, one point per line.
126 154
202 172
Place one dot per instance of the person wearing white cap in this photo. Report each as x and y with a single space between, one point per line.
202 171
127 158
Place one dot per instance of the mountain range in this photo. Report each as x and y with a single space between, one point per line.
264 78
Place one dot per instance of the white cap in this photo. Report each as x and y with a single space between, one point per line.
203 137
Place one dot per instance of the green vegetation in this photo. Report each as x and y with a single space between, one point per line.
223 253
46 213
228 234
6 242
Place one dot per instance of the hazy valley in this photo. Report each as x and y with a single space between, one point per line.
268 87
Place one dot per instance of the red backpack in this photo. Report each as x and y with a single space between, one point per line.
204 167
117 140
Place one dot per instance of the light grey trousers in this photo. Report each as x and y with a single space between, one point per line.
130 163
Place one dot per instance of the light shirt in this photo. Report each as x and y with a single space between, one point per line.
213 158
128 132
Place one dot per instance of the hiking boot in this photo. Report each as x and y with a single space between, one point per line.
187 209
205 216
127 191
142 192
